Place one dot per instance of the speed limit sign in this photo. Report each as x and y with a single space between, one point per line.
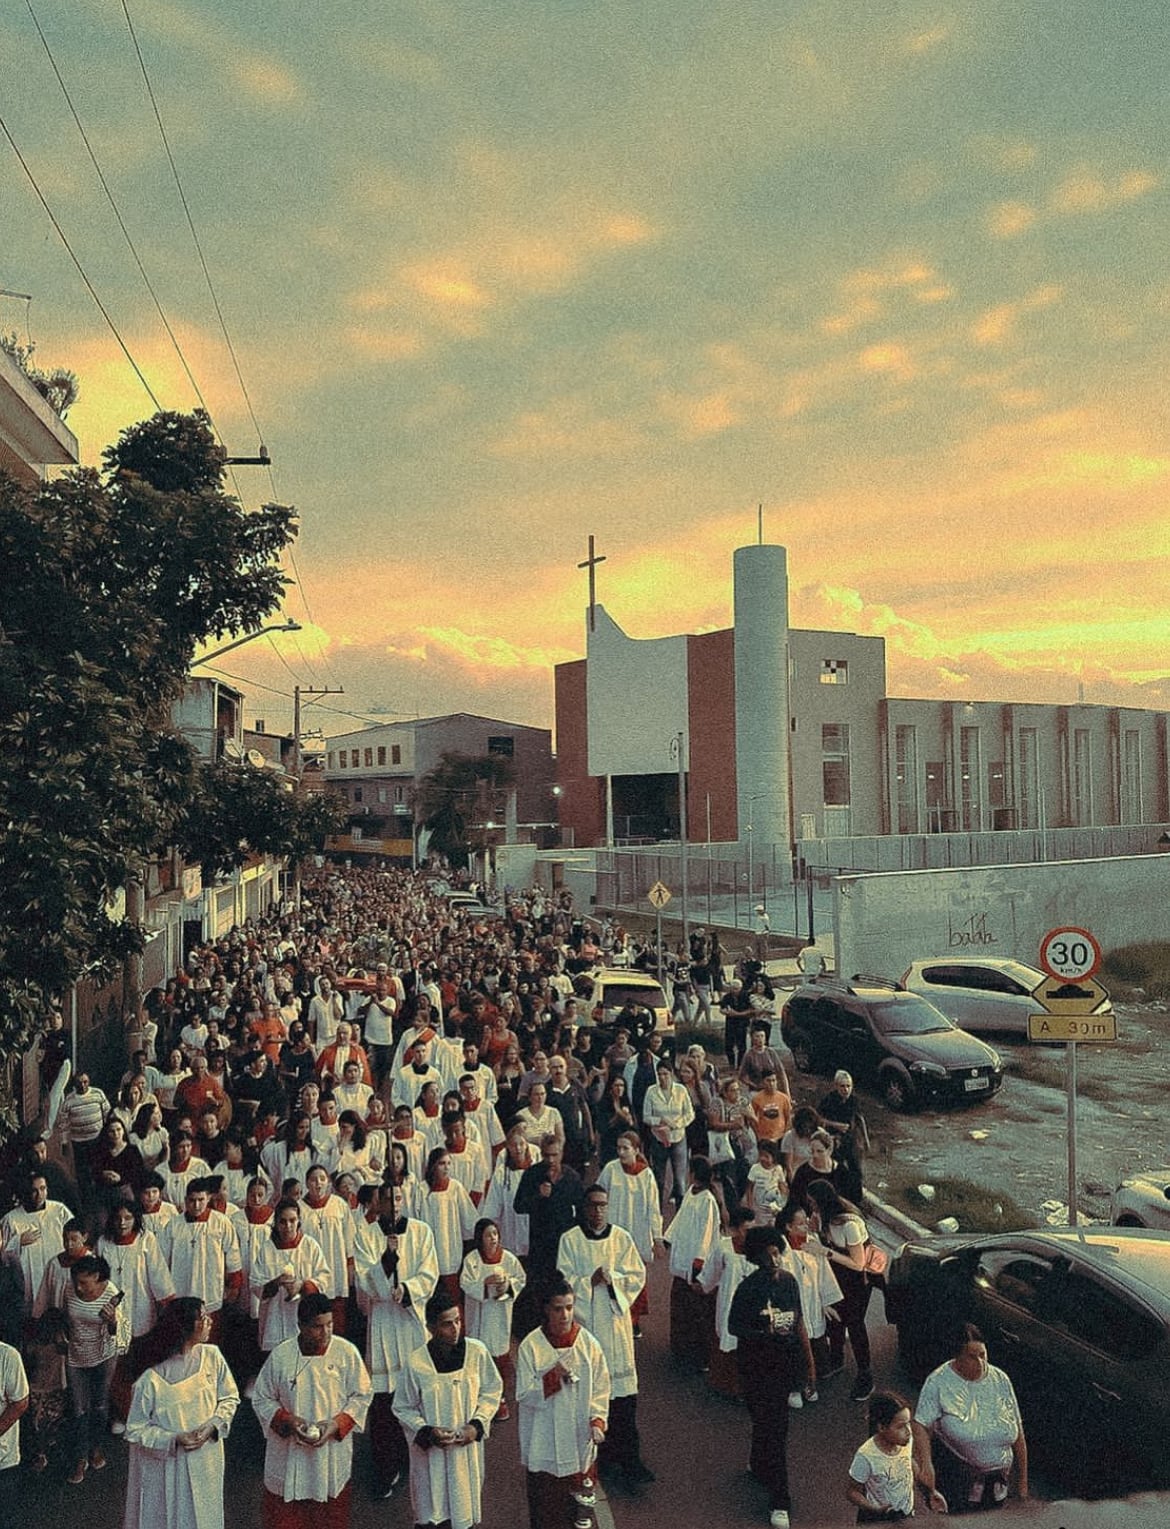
1070 953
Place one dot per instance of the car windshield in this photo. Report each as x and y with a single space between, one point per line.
908 1016
650 996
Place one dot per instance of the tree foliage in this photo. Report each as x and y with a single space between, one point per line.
454 793
236 811
110 582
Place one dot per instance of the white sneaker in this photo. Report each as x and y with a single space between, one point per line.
778 1518
795 1400
117 1428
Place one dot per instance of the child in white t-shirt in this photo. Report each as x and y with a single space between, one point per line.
767 1187
882 1476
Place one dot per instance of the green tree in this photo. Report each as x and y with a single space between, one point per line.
235 811
452 795
110 581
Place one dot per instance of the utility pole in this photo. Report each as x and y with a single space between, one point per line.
312 691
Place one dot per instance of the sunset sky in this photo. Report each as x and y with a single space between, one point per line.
503 274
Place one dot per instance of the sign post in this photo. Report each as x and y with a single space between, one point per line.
1070 997
659 895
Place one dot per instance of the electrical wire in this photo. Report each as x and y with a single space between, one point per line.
191 225
89 286
116 210
298 580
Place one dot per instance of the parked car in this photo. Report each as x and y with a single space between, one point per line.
981 993
468 902
892 1041
1143 1200
606 990
1080 1320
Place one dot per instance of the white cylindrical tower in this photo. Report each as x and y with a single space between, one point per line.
761 693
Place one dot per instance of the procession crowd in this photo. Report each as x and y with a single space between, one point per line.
380 1168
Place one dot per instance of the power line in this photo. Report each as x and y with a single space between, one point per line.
115 209
191 224
214 298
89 286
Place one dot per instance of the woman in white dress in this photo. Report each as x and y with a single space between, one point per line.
180 1412
447 1209
139 1270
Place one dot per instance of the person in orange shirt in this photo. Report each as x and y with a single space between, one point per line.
771 1110
272 1032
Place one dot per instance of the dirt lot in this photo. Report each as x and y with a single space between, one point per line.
1123 1126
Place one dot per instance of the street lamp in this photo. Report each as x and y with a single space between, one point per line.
283 626
678 750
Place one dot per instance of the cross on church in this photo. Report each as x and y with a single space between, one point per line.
591 563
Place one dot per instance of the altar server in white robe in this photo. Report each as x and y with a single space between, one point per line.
288 1266
448 1395
606 1274
181 1408
562 1388
491 1279
396 1270
311 1394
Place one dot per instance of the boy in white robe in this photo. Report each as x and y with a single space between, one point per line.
606 1274
396 1271
448 1394
562 1388
311 1394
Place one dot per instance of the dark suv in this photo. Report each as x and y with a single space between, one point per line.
890 1040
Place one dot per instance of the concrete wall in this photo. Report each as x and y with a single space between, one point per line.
883 922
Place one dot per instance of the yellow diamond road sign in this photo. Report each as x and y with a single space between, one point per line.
1059 995
659 894
1071 1012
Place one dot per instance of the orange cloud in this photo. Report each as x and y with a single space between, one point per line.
998 325
1008 220
1087 190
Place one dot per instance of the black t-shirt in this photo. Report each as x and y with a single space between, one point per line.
765 1317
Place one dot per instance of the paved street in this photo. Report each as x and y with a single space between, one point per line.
695 1441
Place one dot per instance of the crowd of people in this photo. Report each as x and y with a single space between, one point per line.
375 1170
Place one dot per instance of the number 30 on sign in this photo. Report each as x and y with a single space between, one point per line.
1070 953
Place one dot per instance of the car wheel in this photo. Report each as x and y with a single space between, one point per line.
1127 1218
802 1052
897 1089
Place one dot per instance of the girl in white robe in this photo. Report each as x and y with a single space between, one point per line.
187 1396
491 1279
447 1210
499 1204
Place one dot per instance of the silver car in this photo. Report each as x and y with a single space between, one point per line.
1143 1200
980 993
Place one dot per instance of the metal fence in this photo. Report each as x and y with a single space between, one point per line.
929 852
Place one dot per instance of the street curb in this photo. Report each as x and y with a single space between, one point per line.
894 1220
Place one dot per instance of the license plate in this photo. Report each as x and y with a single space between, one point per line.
973 1085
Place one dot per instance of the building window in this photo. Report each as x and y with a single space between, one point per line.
382 755
398 793
1131 776
970 773
357 793
1082 781
395 753
382 793
354 758
504 747
341 760
834 671
906 778
369 756
996 785
1031 815
330 759
835 763
938 814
